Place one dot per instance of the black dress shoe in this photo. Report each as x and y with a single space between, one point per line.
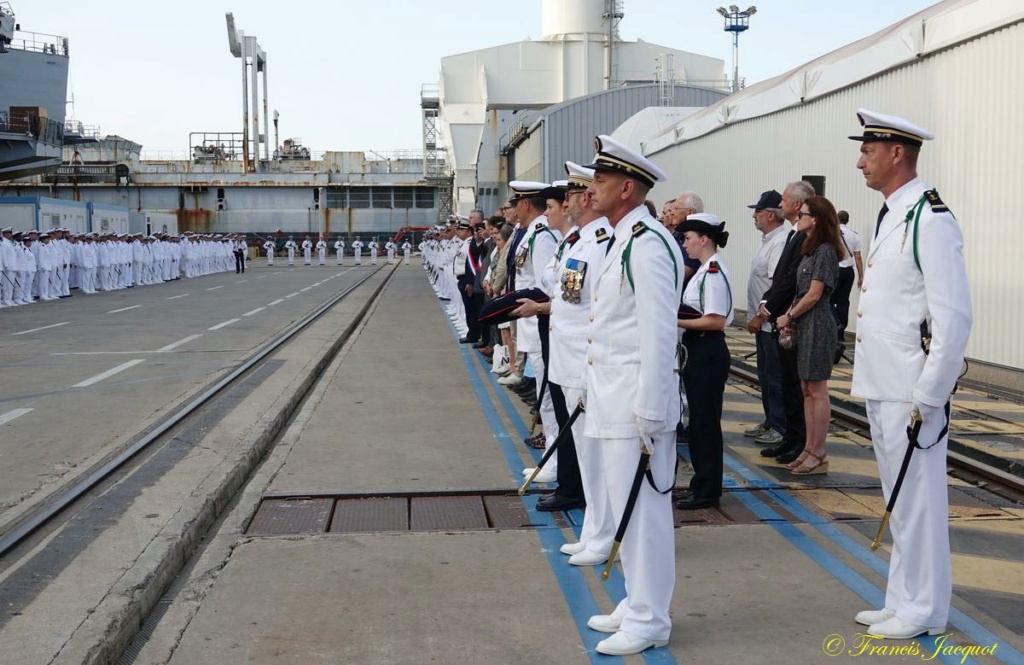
778 449
479 345
789 455
466 340
554 503
693 503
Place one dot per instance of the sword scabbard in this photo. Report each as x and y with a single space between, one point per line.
611 561
881 531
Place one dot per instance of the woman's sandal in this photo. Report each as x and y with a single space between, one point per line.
798 461
819 468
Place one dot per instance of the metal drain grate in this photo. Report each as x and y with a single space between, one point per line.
469 511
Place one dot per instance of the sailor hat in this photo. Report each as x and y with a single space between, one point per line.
525 189
44 235
556 191
580 177
463 223
708 224
499 310
7 229
614 156
891 128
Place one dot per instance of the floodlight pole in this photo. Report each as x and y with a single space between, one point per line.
736 21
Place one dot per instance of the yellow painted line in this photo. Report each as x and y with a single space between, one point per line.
986 573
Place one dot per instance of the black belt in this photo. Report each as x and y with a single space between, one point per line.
705 334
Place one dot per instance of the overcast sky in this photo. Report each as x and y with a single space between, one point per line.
346 75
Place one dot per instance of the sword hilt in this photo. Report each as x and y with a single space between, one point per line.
881 531
522 490
611 560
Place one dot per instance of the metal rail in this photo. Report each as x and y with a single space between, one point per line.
40 517
859 420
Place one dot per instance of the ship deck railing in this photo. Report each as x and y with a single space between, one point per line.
39 42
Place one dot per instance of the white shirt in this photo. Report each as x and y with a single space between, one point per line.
762 269
851 241
709 290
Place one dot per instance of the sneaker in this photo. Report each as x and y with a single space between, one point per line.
757 430
769 437
510 380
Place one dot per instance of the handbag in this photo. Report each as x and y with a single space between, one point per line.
788 340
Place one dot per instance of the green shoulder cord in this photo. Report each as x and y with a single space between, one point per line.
639 229
533 236
728 288
913 216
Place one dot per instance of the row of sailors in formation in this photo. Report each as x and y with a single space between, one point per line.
608 289
307 246
47 265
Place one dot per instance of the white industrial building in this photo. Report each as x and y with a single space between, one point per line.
579 53
954 69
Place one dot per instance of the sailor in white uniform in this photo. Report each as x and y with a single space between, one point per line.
307 249
321 251
407 251
373 252
268 247
339 250
291 247
915 287
632 390
357 250
8 267
390 247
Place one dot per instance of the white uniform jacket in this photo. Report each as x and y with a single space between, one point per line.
896 297
574 277
631 340
535 251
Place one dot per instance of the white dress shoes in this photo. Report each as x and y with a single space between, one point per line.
871 617
545 475
625 644
895 628
572 548
587 558
605 623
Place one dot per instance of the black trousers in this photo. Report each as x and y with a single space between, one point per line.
792 396
707 368
239 262
840 299
467 304
570 482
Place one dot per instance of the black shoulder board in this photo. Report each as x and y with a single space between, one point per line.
713 267
936 203
639 228
601 235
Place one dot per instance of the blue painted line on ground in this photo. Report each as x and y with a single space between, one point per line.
853 580
961 621
574 587
615 585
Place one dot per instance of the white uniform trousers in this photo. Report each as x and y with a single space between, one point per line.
42 284
65 280
341 257
306 256
270 259
391 256
23 293
598 529
7 281
547 409
920 583
322 255
373 256
649 548
359 257
291 256
408 255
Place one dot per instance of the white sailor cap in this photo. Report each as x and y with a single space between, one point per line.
580 177
525 189
708 224
44 235
891 128
614 156
7 229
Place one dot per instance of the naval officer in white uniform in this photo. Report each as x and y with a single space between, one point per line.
915 278
632 390
339 250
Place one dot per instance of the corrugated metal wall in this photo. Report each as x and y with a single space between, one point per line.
969 96
569 131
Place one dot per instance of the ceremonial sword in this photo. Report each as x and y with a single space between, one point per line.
562 433
642 467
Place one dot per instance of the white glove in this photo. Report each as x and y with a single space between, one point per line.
650 428
933 420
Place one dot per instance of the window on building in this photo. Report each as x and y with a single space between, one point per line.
404 197
381 197
425 197
336 197
359 197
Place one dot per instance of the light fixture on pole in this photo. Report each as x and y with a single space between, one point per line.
736 21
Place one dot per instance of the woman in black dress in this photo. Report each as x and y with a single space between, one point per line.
815 327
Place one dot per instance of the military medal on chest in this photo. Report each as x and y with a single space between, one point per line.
572 280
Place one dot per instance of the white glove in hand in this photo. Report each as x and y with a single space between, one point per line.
933 419
650 428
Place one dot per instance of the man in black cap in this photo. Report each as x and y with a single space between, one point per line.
769 221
